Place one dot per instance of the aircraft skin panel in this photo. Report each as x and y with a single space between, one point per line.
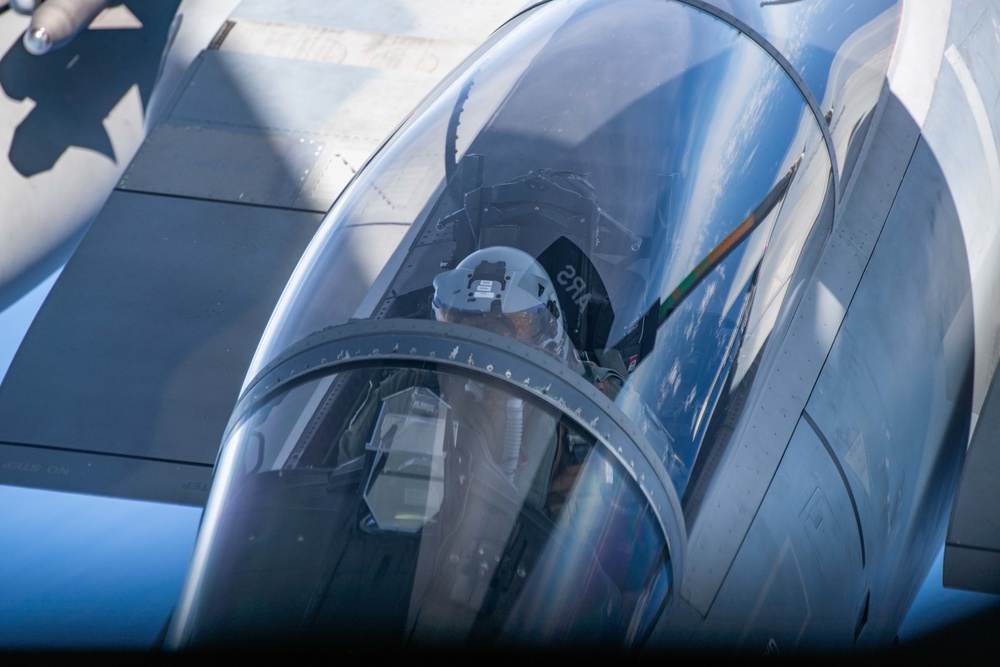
972 545
163 302
226 151
100 474
795 365
345 47
433 19
329 98
222 165
902 454
804 536
898 428
971 166
880 268
972 548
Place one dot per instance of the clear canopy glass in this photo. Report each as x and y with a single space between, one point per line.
449 508
625 146
665 174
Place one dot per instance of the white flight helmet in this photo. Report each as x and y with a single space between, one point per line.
506 291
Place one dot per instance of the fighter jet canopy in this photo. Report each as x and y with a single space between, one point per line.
389 467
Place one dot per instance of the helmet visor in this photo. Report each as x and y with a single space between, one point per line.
534 326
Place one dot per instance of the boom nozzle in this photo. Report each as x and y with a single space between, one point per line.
37 41
55 23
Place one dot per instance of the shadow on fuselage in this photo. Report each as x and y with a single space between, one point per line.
75 88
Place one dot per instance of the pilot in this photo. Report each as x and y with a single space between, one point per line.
505 291
498 289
